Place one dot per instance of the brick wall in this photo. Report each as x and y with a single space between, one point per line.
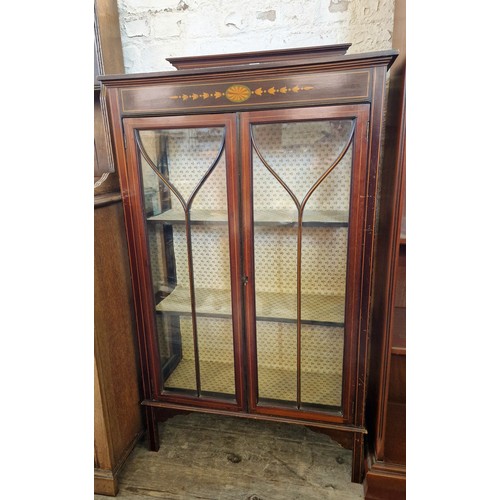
153 30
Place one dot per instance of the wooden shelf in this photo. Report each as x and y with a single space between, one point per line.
261 217
398 351
270 306
395 440
318 388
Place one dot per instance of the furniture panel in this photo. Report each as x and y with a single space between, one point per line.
223 94
118 422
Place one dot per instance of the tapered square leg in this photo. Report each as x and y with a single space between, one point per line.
152 428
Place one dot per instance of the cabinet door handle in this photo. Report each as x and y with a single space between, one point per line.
244 279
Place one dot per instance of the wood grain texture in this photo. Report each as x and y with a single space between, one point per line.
213 457
397 383
103 445
108 58
383 484
105 483
386 264
108 41
117 400
383 58
308 89
395 436
103 161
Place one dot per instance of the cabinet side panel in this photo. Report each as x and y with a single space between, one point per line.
102 444
376 121
114 329
385 267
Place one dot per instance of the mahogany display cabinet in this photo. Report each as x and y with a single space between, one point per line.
249 190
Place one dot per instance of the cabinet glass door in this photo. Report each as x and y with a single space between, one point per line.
185 175
300 178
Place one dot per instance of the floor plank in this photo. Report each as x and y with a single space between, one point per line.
214 457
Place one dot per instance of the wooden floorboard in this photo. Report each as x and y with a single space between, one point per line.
214 457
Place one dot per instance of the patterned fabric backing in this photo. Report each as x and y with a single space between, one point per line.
299 153
321 367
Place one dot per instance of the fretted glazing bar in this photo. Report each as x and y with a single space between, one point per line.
157 172
274 174
299 257
299 229
187 208
193 305
299 302
300 219
190 264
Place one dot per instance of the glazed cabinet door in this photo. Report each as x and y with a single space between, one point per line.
304 175
182 188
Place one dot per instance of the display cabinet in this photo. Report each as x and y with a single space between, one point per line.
249 197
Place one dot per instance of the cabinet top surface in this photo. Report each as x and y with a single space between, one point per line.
212 60
330 61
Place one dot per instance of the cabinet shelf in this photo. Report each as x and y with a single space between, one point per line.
218 377
274 217
270 306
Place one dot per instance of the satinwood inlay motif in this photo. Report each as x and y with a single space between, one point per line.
239 93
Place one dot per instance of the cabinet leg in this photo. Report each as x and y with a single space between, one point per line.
152 426
358 458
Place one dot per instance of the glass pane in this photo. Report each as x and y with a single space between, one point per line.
185 200
301 193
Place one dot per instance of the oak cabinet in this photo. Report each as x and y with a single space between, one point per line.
117 412
249 198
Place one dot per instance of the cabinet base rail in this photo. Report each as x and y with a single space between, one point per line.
160 410
256 416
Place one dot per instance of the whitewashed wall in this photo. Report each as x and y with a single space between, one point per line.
153 30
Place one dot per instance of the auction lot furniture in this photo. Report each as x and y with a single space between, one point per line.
249 191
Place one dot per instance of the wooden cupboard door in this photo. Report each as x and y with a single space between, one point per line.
189 283
303 182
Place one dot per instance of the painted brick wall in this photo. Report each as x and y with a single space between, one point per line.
153 30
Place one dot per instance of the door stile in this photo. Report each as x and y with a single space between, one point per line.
234 226
118 136
373 152
355 253
144 284
248 258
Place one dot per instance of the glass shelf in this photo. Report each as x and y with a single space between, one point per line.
270 217
270 306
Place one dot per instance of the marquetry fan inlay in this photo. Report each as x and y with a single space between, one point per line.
238 93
